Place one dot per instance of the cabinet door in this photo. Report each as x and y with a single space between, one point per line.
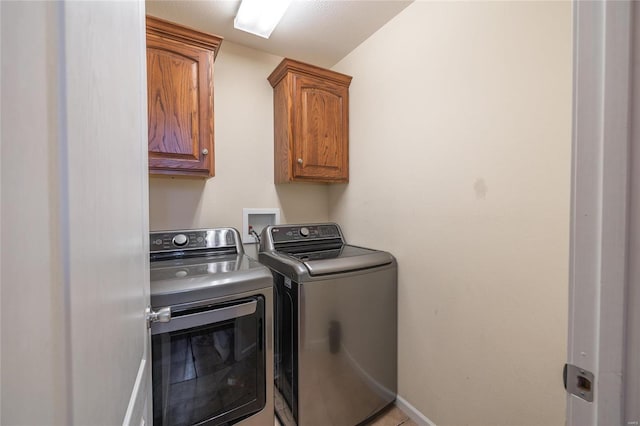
180 108
321 133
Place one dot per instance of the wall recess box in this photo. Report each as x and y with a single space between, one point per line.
257 219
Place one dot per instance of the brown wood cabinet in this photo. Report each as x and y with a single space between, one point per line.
311 129
180 99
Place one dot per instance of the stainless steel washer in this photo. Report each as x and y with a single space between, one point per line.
335 325
212 333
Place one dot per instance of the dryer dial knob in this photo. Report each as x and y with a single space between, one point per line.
180 240
304 231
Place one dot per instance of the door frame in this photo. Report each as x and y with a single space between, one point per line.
632 362
603 41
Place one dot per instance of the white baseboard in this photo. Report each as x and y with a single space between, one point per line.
413 412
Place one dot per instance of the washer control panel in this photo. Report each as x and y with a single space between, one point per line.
194 239
294 233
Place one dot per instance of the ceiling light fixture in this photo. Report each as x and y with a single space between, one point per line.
260 17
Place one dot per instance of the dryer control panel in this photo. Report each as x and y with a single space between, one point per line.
194 239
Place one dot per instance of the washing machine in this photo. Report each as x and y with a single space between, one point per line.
335 325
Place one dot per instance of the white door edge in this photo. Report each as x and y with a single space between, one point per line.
602 45
136 409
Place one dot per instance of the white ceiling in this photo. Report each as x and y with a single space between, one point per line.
320 32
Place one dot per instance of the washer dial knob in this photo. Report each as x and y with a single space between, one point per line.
304 231
180 240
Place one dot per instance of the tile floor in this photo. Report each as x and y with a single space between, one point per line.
392 416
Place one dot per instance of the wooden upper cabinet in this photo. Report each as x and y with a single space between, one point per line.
180 99
311 130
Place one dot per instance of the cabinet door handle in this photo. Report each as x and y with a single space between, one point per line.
205 151
299 160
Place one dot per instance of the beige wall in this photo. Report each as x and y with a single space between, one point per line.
460 166
244 157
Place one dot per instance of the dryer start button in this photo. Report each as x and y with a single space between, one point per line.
180 240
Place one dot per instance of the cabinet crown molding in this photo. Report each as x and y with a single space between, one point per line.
182 34
289 65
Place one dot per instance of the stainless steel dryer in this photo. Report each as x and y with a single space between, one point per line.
212 350
335 325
